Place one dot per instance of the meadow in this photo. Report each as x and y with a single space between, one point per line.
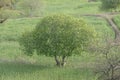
117 20
14 65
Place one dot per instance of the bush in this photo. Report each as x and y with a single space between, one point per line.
110 4
59 36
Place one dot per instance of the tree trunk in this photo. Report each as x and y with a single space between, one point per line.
112 72
57 61
63 61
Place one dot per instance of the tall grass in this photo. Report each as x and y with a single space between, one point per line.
45 69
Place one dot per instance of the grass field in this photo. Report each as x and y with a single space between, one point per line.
74 7
76 68
14 65
117 20
77 8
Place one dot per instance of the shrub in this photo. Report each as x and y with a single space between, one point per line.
110 4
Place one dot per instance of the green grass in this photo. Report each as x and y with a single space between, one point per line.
45 69
74 7
14 65
10 31
117 20
13 28
103 29
12 71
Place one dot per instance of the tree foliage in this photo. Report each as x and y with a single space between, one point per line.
58 36
110 4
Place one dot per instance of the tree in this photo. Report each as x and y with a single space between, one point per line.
92 0
3 4
7 10
110 4
109 66
58 36
7 4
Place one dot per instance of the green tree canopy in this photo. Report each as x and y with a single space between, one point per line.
58 36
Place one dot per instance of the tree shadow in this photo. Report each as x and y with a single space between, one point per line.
9 68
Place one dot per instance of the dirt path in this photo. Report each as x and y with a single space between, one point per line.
109 18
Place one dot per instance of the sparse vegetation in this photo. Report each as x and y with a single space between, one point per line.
109 67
